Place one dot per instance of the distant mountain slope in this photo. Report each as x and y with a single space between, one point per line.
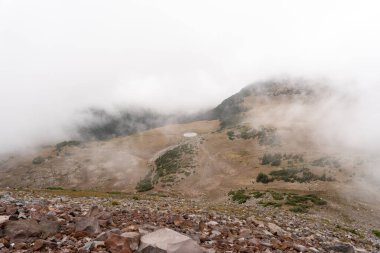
276 122
230 110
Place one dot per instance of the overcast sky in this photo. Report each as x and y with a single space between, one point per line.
59 57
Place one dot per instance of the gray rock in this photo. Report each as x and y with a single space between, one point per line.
102 236
212 223
266 244
87 224
143 231
168 241
274 229
252 220
21 215
116 231
360 250
245 232
345 248
267 233
208 250
22 230
314 250
94 211
88 246
215 233
133 239
300 247
49 227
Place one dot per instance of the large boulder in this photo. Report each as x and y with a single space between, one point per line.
168 241
22 230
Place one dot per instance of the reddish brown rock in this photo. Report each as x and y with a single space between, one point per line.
202 226
117 244
39 244
4 242
20 245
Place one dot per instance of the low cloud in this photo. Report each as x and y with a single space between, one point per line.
57 59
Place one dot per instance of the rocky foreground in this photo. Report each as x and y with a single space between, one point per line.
35 222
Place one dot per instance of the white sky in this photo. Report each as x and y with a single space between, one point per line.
59 57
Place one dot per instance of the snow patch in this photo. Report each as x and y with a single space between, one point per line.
190 134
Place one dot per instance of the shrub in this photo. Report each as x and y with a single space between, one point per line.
247 134
271 203
298 209
277 195
326 161
231 135
298 203
115 193
168 179
258 195
297 199
351 230
266 159
60 145
239 196
263 178
274 160
267 136
115 203
54 188
300 175
316 200
38 160
376 232
230 121
172 160
144 185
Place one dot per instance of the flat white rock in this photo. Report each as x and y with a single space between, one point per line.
168 241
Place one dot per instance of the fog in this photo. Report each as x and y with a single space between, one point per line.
59 58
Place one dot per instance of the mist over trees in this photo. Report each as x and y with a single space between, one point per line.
102 124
